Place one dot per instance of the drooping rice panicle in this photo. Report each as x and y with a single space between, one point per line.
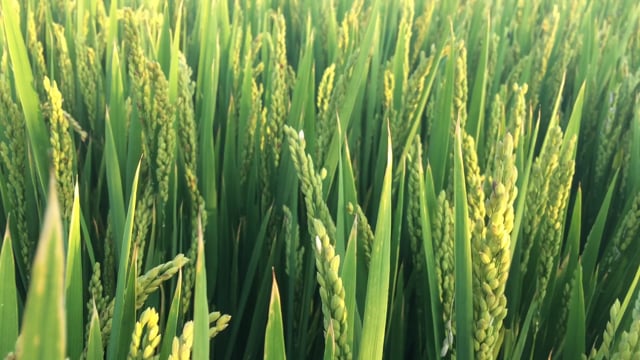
622 162
349 29
414 222
101 26
626 184
255 114
189 278
560 322
493 54
517 112
365 233
460 91
629 346
217 322
235 62
326 121
610 330
629 82
181 347
96 291
331 290
551 229
615 130
65 77
150 93
421 27
97 300
107 324
474 181
400 70
140 88
609 130
14 160
542 52
277 107
558 68
295 252
537 197
414 89
146 336
389 114
152 279
163 117
625 237
294 263
188 143
323 124
145 285
108 267
310 183
494 128
90 79
143 222
36 52
61 148
443 233
492 254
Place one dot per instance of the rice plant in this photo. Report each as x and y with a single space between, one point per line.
319 179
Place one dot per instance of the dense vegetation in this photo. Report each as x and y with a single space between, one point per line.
337 179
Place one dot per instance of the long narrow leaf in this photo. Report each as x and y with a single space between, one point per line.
171 326
74 287
43 334
348 274
121 326
95 349
8 297
376 306
462 253
427 196
575 338
594 240
201 308
274 334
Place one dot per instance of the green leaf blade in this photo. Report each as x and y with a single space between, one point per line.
74 285
43 334
376 306
122 326
274 334
95 349
462 254
348 274
8 297
172 320
201 308
576 324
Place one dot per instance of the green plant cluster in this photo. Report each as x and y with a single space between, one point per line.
339 179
